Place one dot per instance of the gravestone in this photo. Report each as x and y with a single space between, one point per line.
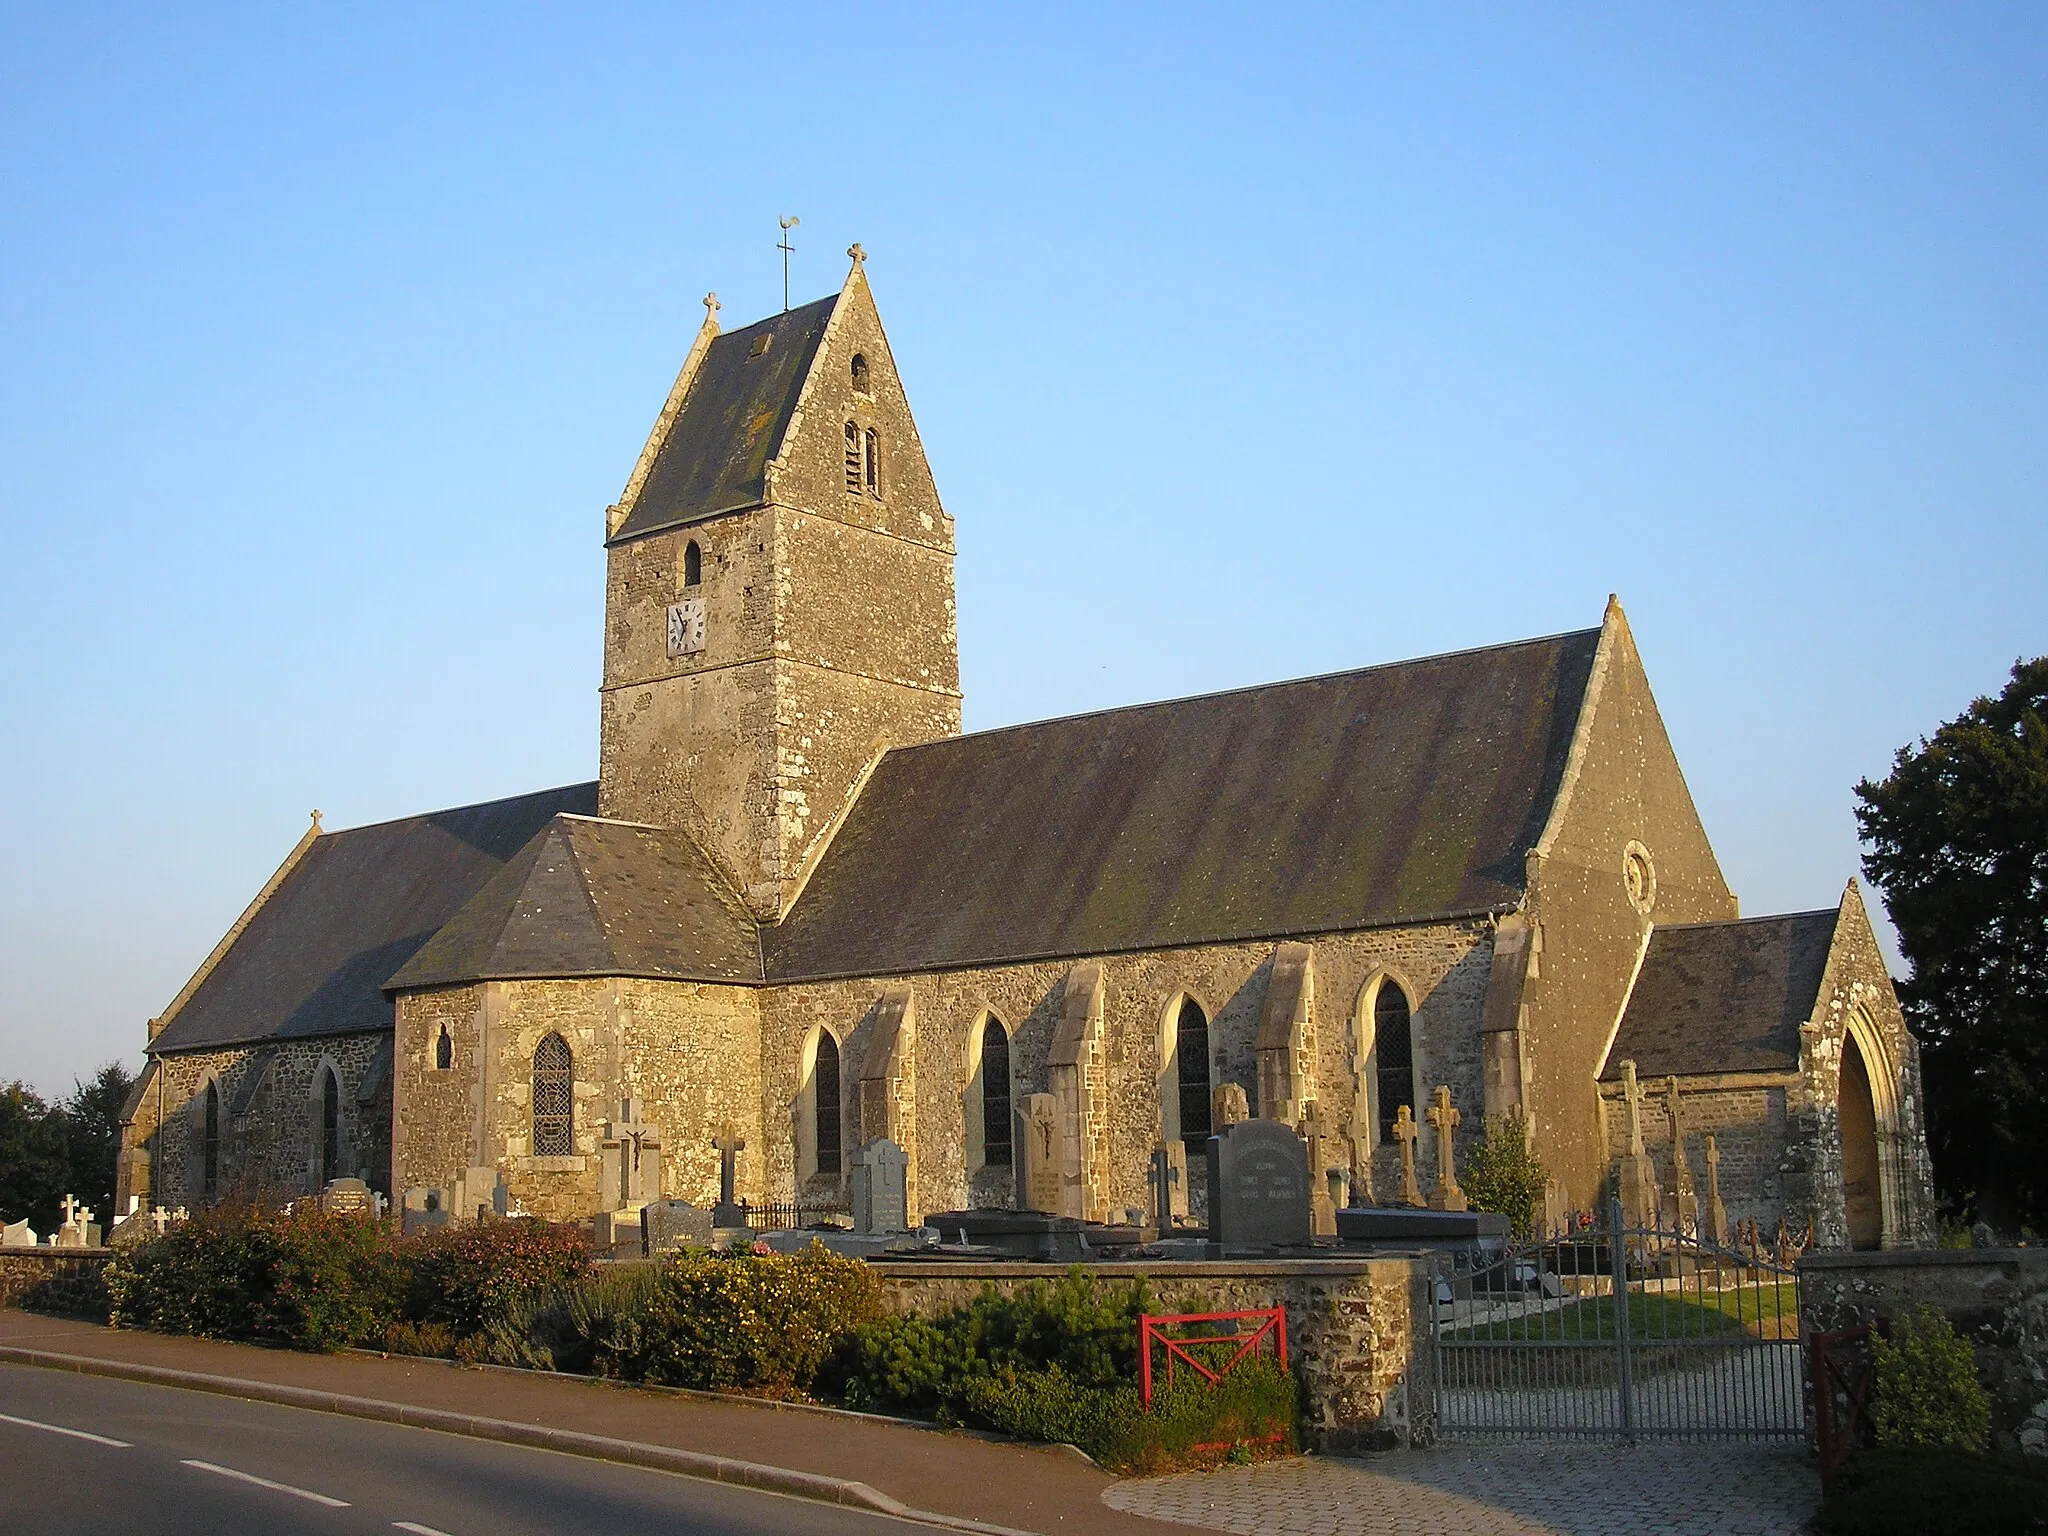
478 1192
422 1206
18 1234
666 1225
1321 1177
1638 1173
728 1212
629 1172
347 1197
1228 1106
1169 1185
1683 1194
1405 1132
1717 1213
1445 1196
1360 1192
881 1199
1037 1152
78 1230
1258 1185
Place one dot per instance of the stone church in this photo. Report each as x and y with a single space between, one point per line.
800 910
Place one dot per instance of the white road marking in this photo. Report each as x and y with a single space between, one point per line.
59 1429
264 1482
417 1530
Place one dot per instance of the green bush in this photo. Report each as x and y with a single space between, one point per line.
757 1322
306 1279
1502 1175
1927 1390
469 1276
1935 1491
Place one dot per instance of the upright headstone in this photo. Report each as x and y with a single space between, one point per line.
1169 1185
1228 1105
1445 1194
666 1225
1638 1174
881 1188
1322 1210
728 1212
1361 1192
1717 1213
18 1234
422 1206
350 1197
1258 1185
478 1192
1405 1132
1038 1154
1555 1216
629 1169
1682 1191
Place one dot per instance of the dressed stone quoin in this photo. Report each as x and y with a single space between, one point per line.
799 912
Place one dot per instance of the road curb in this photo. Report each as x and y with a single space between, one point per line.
814 1486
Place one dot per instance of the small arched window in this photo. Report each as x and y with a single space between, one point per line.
554 1098
1393 1048
209 1146
871 459
1191 1068
860 373
330 1128
853 457
444 1051
693 564
825 1102
995 1095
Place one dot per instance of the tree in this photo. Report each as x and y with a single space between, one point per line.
33 1160
1957 841
1502 1175
92 1136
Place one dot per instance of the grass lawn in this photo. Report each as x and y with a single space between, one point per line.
1769 1311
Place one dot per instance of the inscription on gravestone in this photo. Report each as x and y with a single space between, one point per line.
666 1225
1038 1132
881 1173
1258 1185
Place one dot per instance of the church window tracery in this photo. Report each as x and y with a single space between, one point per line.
1394 1053
693 564
825 1102
330 1128
995 1094
554 1098
1191 1069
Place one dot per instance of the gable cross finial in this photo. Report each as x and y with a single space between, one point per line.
857 253
316 822
711 306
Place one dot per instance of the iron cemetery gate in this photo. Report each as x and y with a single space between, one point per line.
1618 1333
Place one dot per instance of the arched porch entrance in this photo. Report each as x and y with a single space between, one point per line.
1863 1191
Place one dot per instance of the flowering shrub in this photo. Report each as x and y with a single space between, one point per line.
467 1277
306 1279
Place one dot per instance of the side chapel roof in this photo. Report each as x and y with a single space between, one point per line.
1394 794
596 898
1724 997
714 456
314 956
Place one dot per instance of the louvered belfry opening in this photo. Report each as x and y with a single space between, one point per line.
554 1098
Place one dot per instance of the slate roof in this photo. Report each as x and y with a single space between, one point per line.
1724 997
358 905
715 456
1394 794
596 898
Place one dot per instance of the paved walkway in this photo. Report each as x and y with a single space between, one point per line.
1512 1490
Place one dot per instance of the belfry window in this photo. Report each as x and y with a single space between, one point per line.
871 461
693 564
995 1095
860 373
1394 1051
444 1051
330 1128
554 1098
209 1146
1191 1069
825 1102
853 456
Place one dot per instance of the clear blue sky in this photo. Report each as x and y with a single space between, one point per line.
1245 345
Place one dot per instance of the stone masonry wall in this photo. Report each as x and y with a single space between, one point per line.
1996 1297
271 1149
1350 1325
1444 967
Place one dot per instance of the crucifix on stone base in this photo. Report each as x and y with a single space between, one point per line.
1446 1196
631 1172
729 1212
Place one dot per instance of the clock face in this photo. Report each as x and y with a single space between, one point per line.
685 627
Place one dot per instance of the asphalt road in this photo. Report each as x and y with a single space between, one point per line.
89 1454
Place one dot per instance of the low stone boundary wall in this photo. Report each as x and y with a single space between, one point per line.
1996 1297
67 1280
1350 1323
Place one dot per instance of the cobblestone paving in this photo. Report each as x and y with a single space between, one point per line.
1512 1490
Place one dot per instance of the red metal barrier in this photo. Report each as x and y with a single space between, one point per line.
1831 1368
1272 1323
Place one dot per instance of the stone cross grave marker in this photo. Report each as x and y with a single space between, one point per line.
1445 1195
1405 1132
666 1225
1717 1213
1638 1173
160 1219
728 1212
1682 1190
1322 1210
1228 1105
631 1170
1258 1185
881 1188
1037 1152
1169 1185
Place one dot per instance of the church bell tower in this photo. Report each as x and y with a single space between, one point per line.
778 593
